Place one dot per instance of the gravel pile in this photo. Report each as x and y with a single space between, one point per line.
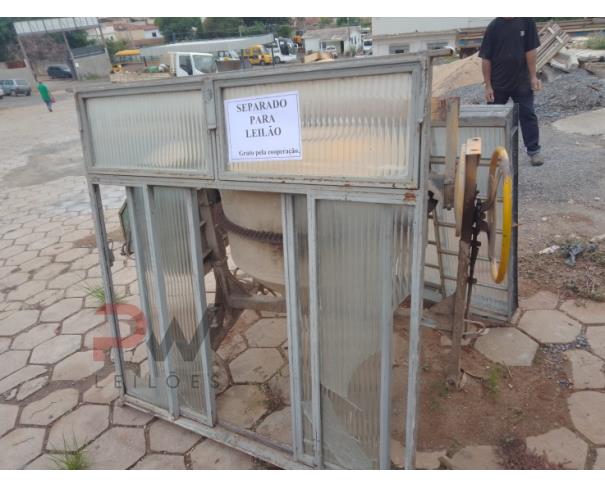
572 93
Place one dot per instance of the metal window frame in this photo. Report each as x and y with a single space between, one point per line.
146 88
373 193
412 66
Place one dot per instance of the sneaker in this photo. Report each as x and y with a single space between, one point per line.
536 159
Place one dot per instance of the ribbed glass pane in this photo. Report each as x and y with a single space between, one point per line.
173 243
150 131
352 239
175 256
356 127
491 137
147 379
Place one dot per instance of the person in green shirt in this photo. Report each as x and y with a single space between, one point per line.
45 95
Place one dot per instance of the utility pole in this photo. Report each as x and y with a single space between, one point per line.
71 56
26 59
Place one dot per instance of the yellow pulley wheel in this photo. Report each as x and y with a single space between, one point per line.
459 183
499 170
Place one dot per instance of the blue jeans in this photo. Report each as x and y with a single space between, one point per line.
49 105
527 116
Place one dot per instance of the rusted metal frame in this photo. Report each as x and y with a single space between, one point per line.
96 204
464 250
420 226
224 435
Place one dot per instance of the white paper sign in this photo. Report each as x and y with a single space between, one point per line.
264 128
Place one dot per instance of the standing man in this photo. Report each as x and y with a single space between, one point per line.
45 95
508 51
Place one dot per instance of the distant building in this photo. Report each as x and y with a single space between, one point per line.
137 32
344 39
400 35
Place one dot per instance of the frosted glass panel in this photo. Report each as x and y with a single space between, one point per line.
170 218
175 256
147 378
150 131
353 283
355 127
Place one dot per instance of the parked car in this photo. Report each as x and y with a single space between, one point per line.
1 94
332 51
59 72
367 46
15 87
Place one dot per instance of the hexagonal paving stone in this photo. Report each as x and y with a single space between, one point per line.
277 426
477 458
87 262
157 461
55 349
596 340
267 332
125 276
31 386
48 246
44 462
34 337
50 271
46 298
588 371
103 391
128 416
599 463
587 411
27 239
77 366
507 346
18 233
13 322
83 321
22 375
65 280
4 344
588 312
102 331
75 235
550 326
10 251
72 254
560 446
279 385
242 405
256 365
21 258
26 290
79 427
118 448
33 264
8 415
210 455
231 346
49 408
167 437
20 446
14 279
61 310
11 362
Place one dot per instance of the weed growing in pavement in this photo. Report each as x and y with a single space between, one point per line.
98 293
72 457
596 42
492 383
